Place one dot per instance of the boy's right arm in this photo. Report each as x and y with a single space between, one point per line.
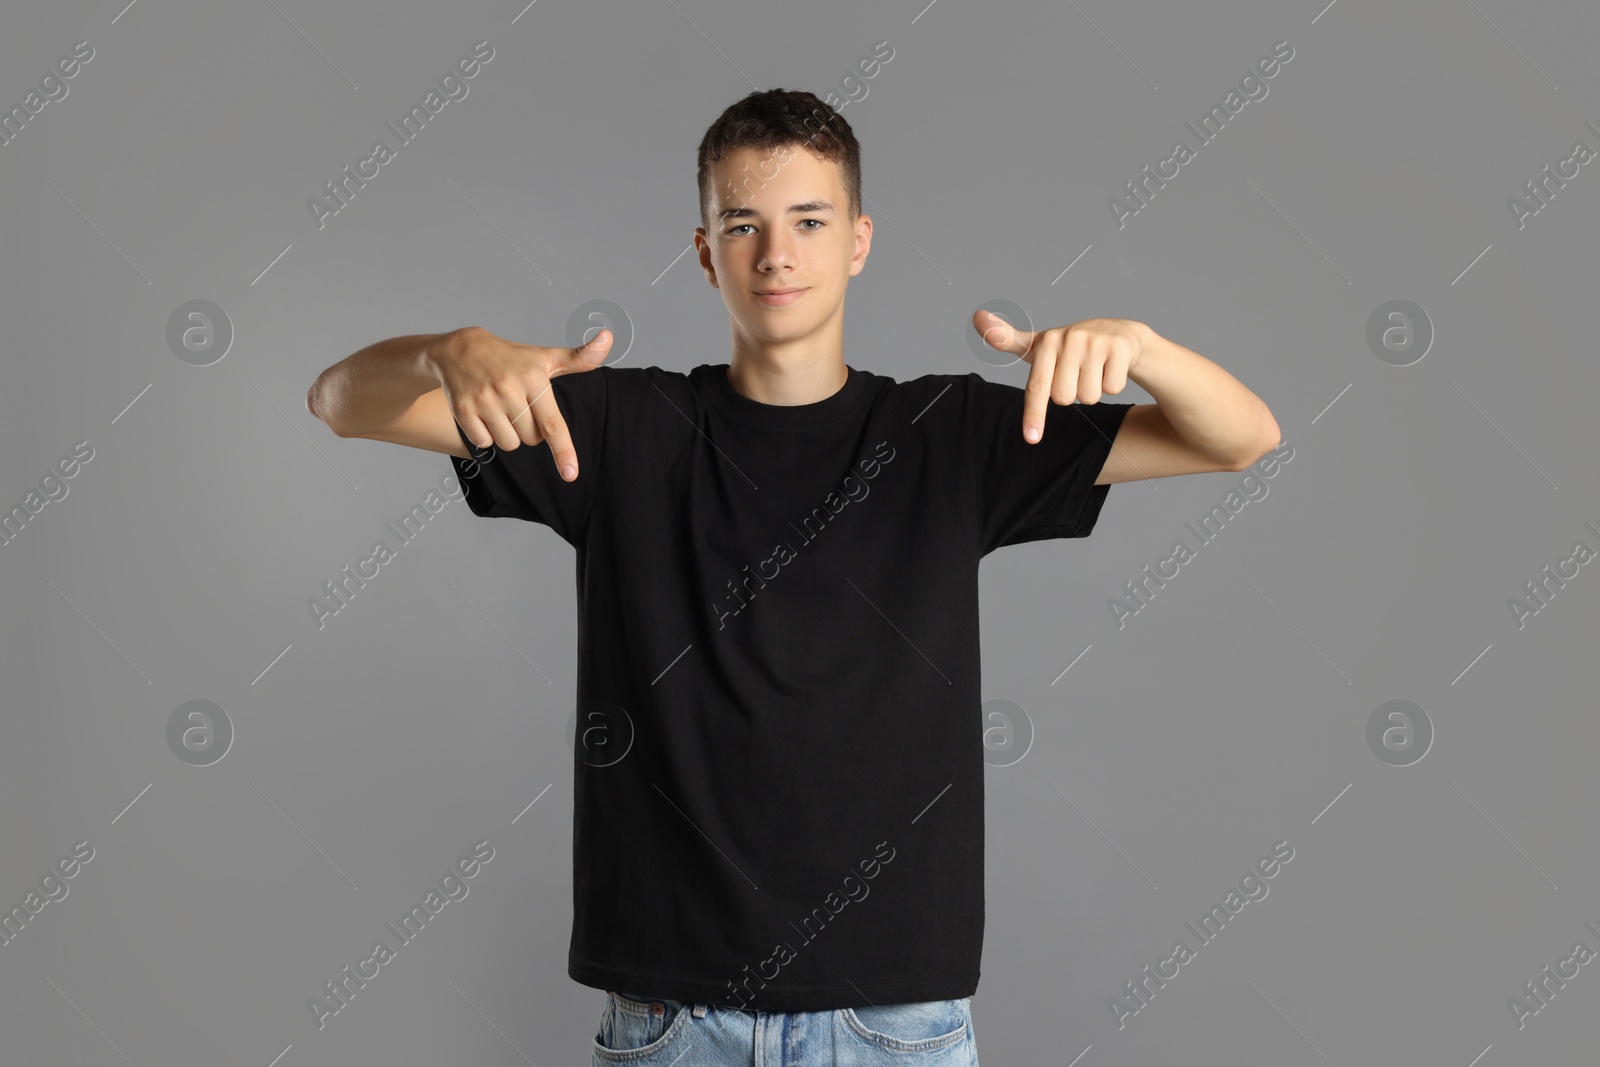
413 390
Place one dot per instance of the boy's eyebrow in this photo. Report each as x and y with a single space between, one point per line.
822 206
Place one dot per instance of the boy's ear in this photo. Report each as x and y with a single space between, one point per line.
705 259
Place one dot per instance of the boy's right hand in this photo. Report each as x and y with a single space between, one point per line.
500 389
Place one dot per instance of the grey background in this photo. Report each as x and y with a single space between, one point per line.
1229 714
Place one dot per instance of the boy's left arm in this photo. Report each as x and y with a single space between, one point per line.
1203 419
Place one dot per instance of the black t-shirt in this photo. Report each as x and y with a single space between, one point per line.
778 773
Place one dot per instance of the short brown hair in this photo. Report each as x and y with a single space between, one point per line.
776 118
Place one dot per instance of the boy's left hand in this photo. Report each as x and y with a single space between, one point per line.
1080 361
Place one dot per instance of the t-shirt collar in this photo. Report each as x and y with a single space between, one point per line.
714 378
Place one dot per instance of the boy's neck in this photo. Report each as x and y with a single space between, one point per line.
798 372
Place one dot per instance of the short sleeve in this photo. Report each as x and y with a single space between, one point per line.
1029 492
524 483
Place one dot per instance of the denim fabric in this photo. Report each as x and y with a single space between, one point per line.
642 1031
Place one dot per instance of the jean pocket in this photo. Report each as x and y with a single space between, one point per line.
920 1026
632 1032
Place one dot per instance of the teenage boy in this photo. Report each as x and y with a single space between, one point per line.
778 783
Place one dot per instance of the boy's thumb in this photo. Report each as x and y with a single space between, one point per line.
593 352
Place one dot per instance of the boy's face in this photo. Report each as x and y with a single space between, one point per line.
756 242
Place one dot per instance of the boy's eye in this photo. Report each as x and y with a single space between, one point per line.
745 225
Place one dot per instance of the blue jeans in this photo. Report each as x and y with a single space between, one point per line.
641 1031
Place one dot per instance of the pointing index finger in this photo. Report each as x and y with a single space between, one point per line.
1036 394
